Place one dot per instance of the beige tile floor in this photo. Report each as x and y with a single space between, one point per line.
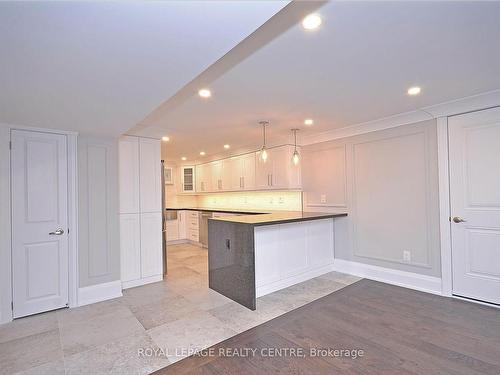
179 315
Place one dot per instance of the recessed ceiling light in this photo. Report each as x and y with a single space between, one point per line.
311 21
414 90
184 158
205 93
165 139
202 153
226 146
308 121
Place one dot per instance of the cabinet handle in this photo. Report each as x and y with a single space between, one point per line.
243 182
271 179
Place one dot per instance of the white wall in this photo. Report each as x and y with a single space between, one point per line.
5 261
98 237
388 182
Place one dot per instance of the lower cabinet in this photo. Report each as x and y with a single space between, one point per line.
130 247
141 248
151 249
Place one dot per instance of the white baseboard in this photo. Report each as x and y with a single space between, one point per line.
289 281
139 282
409 280
99 292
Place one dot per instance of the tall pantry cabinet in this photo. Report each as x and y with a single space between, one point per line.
140 211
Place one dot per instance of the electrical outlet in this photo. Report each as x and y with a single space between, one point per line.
323 198
271 200
282 200
406 256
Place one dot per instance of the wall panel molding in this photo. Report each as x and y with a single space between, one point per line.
99 254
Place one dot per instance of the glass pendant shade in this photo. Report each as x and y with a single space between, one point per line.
296 158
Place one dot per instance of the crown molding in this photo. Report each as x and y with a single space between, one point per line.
455 107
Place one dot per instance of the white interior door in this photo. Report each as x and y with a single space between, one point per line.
39 170
474 141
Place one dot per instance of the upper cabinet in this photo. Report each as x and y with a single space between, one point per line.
244 172
139 175
188 183
150 174
278 171
128 148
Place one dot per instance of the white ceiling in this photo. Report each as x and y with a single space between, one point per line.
356 67
101 67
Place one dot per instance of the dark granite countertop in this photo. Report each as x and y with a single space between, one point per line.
222 210
280 217
267 217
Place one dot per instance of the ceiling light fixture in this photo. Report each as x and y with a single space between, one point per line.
202 153
184 158
414 90
205 93
308 121
311 21
263 151
295 155
165 139
227 147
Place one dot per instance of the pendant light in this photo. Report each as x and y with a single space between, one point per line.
295 155
263 150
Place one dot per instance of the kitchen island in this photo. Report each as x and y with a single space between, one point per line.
253 255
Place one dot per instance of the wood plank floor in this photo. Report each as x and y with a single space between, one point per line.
400 331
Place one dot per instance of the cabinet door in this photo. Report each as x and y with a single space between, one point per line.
151 244
281 160
129 174
247 165
188 179
263 172
200 178
172 230
130 247
150 174
182 221
229 167
216 175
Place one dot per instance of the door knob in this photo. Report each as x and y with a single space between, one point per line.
57 232
458 219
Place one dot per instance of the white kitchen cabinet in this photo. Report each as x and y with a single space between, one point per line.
130 244
216 175
182 223
151 244
278 172
140 210
238 173
203 178
172 230
246 170
188 182
150 174
128 148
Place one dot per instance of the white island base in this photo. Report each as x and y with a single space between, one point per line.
290 253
